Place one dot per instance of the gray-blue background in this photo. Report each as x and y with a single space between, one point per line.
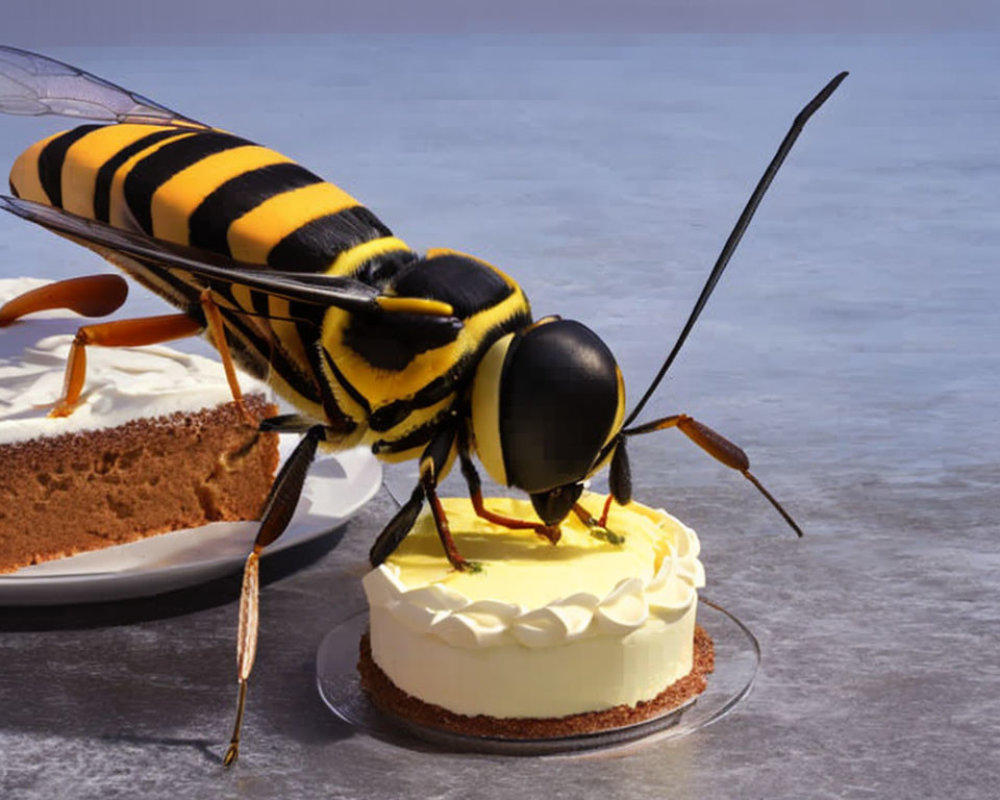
851 349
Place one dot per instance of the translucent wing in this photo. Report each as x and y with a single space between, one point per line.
218 272
32 85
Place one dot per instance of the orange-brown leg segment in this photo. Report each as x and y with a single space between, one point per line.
217 330
717 446
433 465
120 333
91 296
599 527
550 532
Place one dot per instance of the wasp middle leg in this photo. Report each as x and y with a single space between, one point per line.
434 464
278 511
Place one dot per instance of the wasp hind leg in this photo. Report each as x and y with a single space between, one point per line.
100 295
217 330
120 333
278 511
90 296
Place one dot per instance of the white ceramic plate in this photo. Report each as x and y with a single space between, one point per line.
336 488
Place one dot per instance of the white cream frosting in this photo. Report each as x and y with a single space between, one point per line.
122 383
543 630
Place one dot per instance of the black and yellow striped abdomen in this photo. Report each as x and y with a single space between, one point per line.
221 193
217 192
204 188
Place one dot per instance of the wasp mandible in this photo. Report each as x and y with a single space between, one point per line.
431 356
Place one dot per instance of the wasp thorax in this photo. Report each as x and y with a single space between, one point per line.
545 402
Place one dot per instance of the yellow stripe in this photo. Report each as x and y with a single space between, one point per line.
119 214
286 332
176 199
243 296
414 305
380 387
416 418
348 261
24 173
87 155
252 236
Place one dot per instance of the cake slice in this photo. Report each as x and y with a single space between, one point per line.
156 444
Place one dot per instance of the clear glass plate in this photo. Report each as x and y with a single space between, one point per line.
737 656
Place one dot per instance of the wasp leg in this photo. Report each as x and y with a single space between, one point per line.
620 484
393 533
120 333
278 511
434 464
217 330
598 527
286 423
717 446
91 296
550 532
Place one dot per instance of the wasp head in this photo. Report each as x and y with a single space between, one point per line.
546 403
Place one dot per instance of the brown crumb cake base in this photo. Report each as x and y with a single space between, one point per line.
390 698
76 492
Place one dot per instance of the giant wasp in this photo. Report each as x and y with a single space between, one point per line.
427 357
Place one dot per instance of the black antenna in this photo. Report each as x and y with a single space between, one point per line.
740 228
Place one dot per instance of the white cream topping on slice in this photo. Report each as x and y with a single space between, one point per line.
123 383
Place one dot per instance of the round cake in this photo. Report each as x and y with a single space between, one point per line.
540 640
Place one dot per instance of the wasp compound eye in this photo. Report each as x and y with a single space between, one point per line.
559 399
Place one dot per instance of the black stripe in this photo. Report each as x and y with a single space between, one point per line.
312 247
50 161
265 357
391 341
308 321
160 166
260 302
417 437
469 286
210 221
354 393
106 173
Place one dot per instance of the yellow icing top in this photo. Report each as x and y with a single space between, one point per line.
522 568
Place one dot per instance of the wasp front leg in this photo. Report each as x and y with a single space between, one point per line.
598 527
620 485
550 532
